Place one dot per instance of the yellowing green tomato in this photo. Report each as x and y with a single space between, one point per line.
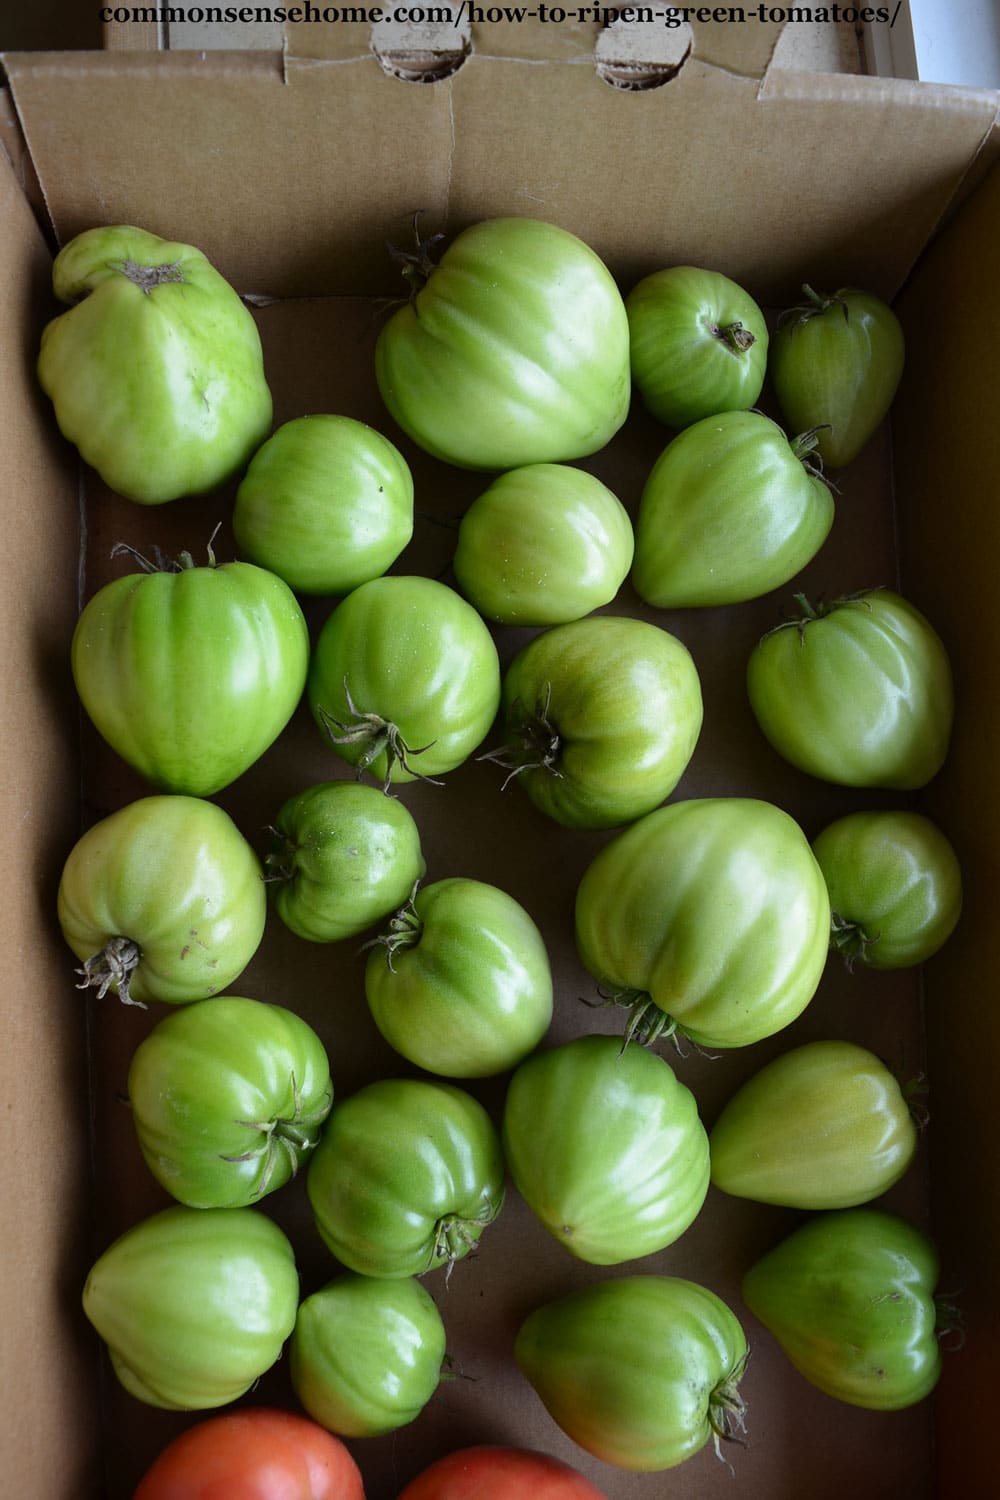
460 983
849 1296
698 344
163 900
155 372
606 1148
823 1126
194 1304
228 1097
600 718
731 510
327 503
641 1371
366 1355
345 856
895 887
542 545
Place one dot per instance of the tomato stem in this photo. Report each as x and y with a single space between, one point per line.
735 335
405 930
377 736
533 741
850 940
148 278
112 968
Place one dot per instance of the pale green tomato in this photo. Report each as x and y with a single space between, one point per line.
156 372
327 503
544 544
366 1354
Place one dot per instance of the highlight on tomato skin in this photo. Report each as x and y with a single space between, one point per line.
493 1472
254 1454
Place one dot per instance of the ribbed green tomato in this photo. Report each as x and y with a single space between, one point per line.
191 673
366 1355
194 1304
601 717
709 919
641 1371
460 983
849 1296
895 887
858 692
327 504
544 544
228 1097
835 363
345 856
513 350
155 372
406 1177
163 900
731 510
405 679
823 1126
698 343
606 1148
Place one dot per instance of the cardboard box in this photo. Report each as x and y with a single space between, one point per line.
291 172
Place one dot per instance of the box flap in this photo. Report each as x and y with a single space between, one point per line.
271 176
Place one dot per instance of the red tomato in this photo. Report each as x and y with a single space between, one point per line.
256 1454
499 1474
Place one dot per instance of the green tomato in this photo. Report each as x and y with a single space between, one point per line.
641 1371
163 900
836 362
191 674
513 350
460 983
405 679
823 1126
709 919
406 1177
849 1296
698 342
895 887
858 692
194 1304
606 1148
601 717
345 856
155 372
228 1097
327 504
731 510
543 545
366 1355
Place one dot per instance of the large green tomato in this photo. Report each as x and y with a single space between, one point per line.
858 692
406 1177
194 1304
709 919
731 510
823 1126
163 900
850 1298
600 717
191 673
641 1371
542 545
405 679
606 1148
836 362
698 342
155 372
513 350
460 983
327 503
895 887
228 1097
366 1354
345 856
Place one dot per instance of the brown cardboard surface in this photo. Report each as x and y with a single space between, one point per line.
47 1360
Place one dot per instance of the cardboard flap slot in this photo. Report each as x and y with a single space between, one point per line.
424 51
